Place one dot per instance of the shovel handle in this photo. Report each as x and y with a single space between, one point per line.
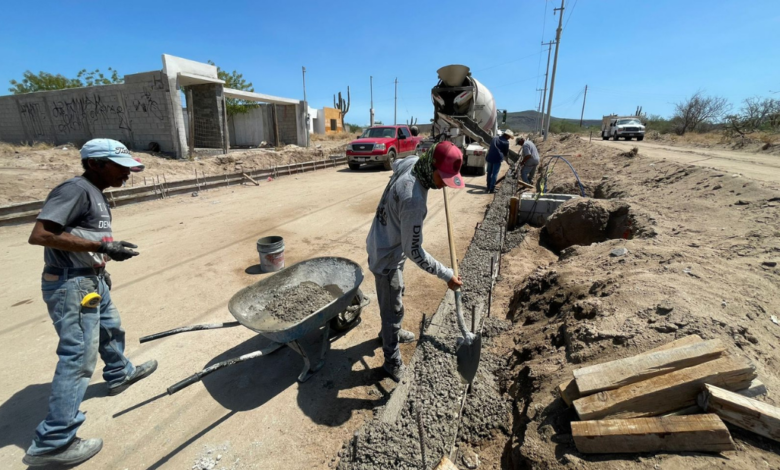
183 329
450 234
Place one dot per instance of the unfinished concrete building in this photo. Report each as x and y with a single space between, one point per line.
146 112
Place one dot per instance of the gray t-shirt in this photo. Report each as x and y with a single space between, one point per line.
529 149
397 230
82 210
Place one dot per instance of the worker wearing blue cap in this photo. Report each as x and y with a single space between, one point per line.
74 227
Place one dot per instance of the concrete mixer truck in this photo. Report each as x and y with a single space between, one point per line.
465 114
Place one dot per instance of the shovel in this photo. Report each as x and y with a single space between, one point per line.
470 345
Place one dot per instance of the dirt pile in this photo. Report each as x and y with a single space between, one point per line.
29 173
701 273
583 221
298 302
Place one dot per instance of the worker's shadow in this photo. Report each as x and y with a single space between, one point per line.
20 414
251 384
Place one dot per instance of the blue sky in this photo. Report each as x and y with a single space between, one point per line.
629 53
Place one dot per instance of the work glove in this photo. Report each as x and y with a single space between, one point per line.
118 251
107 279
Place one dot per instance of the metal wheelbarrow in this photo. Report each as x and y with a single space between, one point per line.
339 276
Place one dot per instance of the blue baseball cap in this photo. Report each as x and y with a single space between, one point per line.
111 149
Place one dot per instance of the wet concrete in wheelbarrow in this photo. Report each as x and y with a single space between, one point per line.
433 388
295 303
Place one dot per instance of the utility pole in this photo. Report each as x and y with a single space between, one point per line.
539 112
371 120
305 106
555 67
544 93
583 104
395 106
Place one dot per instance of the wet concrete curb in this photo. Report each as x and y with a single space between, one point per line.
431 391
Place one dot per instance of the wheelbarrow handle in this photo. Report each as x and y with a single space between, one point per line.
219 365
184 329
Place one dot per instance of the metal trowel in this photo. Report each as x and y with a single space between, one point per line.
470 345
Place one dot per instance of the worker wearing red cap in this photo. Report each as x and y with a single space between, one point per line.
397 234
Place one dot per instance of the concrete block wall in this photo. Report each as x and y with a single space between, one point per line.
286 117
207 110
136 113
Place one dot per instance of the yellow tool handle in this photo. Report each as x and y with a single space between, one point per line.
450 234
91 300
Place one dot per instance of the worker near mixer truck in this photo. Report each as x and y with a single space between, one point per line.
74 227
499 147
529 160
397 234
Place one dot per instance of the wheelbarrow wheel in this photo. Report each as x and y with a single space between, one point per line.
351 317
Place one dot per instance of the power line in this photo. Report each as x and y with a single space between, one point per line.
570 13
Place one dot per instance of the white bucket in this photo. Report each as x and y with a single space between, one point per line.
271 250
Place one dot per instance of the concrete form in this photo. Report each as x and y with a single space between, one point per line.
536 211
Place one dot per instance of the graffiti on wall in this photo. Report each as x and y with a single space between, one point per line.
33 118
76 114
147 104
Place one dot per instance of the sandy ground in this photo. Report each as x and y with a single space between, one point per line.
706 248
754 165
197 252
29 173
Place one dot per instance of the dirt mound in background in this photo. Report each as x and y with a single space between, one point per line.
583 221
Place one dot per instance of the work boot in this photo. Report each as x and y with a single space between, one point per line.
404 336
74 453
395 370
142 371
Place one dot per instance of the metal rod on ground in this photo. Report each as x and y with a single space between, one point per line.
555 68
420 430
166 185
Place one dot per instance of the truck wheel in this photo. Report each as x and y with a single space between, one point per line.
390 160
604 137
639 139
354 166
615 138
480 170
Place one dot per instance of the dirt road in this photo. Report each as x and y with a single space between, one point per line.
762 167
197 252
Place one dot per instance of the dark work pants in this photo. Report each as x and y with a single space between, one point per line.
389 293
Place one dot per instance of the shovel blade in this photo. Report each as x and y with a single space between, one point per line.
468 359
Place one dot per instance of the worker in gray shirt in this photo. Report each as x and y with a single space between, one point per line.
74 227
397 234
529 160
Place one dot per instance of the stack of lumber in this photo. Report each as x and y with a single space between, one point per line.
653 401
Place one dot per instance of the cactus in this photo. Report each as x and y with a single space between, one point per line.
343 107
411 122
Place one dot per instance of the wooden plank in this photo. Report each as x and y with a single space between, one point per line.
250 179
569 391
747 413
445 464
756 389
615 374
695 433
665 393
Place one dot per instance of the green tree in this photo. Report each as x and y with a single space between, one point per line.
235 81
44 81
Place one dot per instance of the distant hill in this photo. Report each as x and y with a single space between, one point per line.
524 121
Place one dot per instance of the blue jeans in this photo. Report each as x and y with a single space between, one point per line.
492 174
527 173
84 332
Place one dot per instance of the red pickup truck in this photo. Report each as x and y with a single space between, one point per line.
381 144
